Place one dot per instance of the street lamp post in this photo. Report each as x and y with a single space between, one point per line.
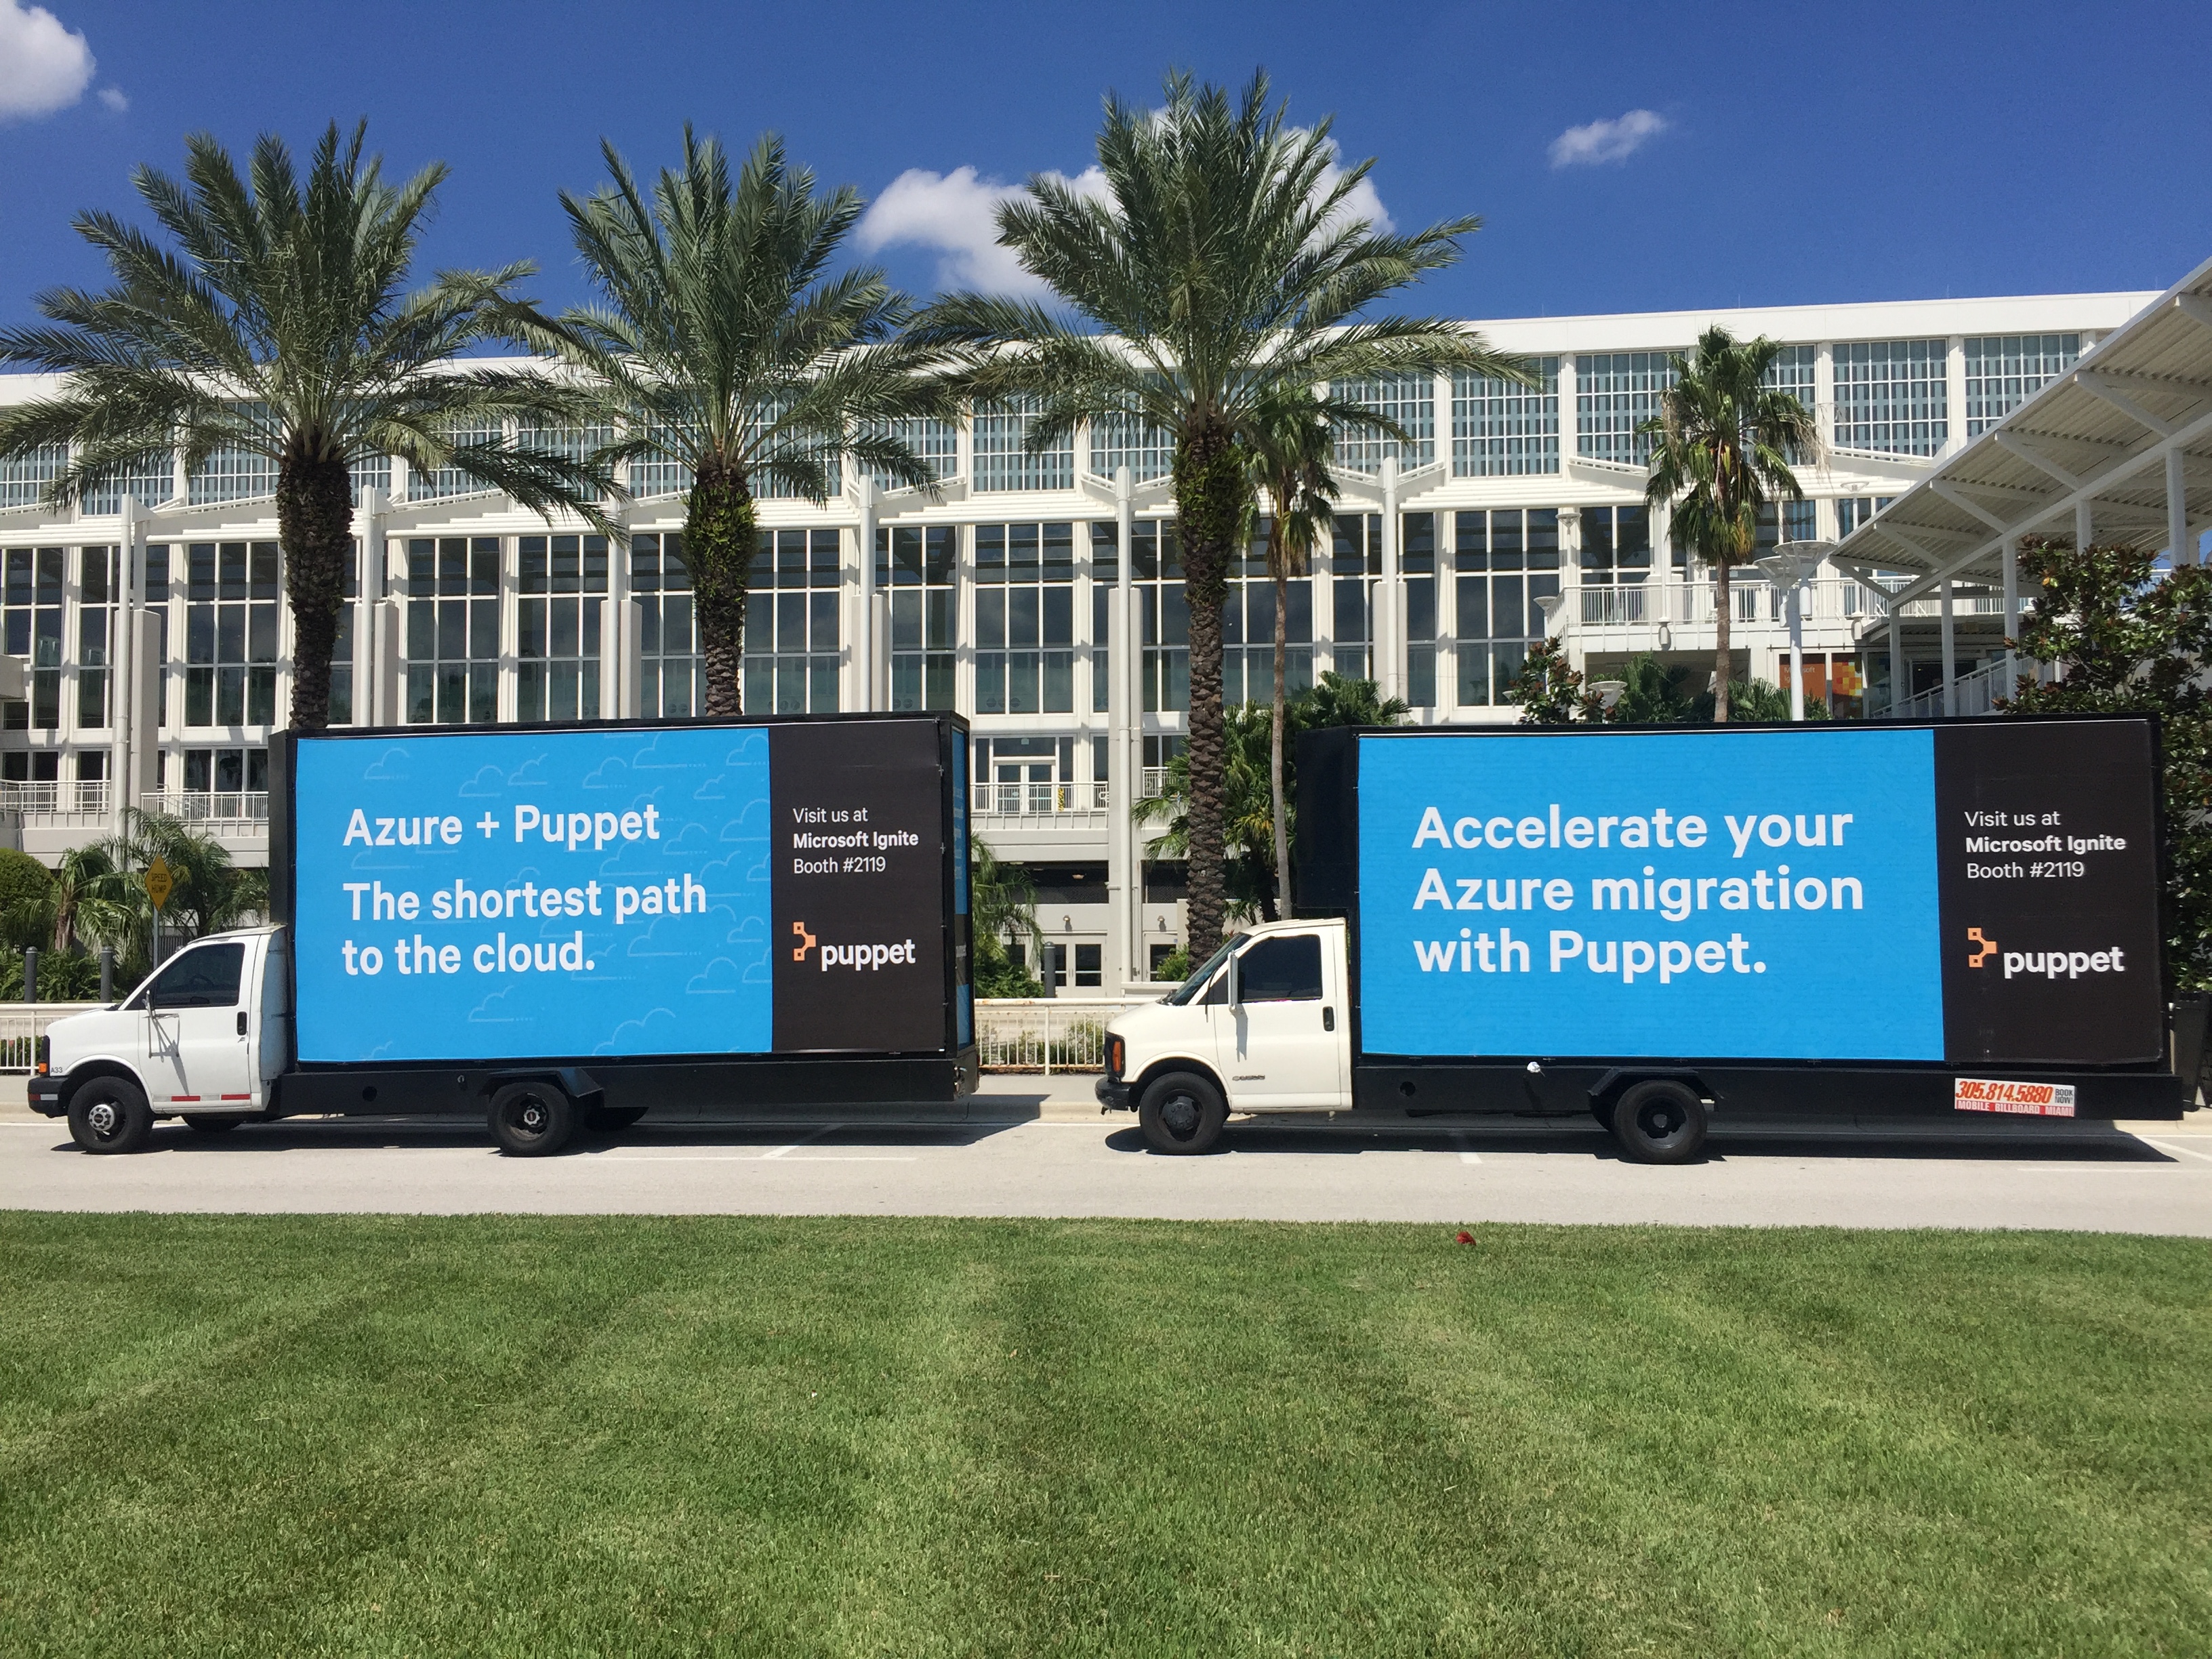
1789 566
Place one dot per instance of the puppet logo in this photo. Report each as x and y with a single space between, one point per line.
807 941
1984 948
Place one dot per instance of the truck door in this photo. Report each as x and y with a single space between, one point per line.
199 1055
1281 1044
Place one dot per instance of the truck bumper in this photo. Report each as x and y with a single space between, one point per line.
44 1094
1113 1095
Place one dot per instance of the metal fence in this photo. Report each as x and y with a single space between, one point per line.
1047 1034
22 1025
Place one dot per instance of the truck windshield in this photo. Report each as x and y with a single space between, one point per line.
1191 987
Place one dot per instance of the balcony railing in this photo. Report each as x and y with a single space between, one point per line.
240 809
67 798
1010 800
1751 600
1974 693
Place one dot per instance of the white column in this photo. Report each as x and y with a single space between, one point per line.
1124 754
865 644
2011 561
1898 691
1824 391
2177 509
2084 530
368 587
124 700
616 653
1390 640
1950 655
1955 394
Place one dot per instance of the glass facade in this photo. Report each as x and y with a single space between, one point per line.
1001 430
1147 451
1616 545
438 482
231 474
1893 396
1024 618
1408 399
231 594
342 649
452 630
1163 614
36 582
791 623
1500 429
562 587
24 478
2004 371
917 570
1247 629
97 591
1615 392
1355 560
1504 563
1417 559
936 444
672 681
149 480
1852 511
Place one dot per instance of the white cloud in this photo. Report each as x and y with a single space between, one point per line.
956 214
43 66
1606 141
114 99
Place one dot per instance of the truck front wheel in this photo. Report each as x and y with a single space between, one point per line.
532 1119
110 1115
1182 1112
1660 1122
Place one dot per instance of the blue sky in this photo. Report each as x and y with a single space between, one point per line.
1750 153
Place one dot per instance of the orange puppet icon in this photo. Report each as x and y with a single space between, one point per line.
807 941
1988 948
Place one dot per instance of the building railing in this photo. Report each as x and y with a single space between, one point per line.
1007 800
75 798
1974 693
1047 1033
1752 600
243 809
22 1025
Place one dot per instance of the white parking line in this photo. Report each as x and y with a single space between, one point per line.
1466 1154
785 1151
2167 1146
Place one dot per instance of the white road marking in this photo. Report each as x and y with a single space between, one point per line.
1466 1154
2165 1146
785 1151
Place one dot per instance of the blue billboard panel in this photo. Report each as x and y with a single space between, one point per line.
1766 894
672 891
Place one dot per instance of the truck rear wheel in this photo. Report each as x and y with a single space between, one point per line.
1182 1112
110 1115
1660 1122
532 1119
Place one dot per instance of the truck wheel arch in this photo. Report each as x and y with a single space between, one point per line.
1162 1067
1605 1094
87 1070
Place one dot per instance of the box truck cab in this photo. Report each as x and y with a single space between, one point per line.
206 1038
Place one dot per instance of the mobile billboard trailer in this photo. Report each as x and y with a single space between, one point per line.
559 925
1657 925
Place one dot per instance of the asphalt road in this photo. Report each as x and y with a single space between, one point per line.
1042 1149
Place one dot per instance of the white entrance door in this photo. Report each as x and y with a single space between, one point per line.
1283 1045
198 1056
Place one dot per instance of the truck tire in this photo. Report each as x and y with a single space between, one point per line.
1660 1122
613 1120
532 1119
1181 1113
110 1115
209 1124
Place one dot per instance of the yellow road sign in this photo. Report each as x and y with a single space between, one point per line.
159 884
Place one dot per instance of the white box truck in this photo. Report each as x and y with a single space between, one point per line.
1657 926
562 925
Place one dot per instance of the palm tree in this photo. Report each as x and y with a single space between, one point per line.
1291 449
1224 266
722 345
1721 450
276 328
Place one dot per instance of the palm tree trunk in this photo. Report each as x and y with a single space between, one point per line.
1210 488
1721 665
314 527
1276 758
717 544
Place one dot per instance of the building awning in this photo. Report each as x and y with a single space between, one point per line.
2121 442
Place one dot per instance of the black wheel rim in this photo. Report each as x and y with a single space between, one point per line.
1180 1114
1662 1123
105 1118
528 1118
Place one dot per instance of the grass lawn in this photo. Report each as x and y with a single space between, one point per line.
548 1437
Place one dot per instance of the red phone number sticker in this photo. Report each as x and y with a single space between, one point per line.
1974 1094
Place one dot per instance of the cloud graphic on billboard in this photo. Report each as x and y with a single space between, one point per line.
488 780
636 1036
488 1011
720 980
380 770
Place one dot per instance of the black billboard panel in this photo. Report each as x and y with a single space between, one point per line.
2047 843
857 868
